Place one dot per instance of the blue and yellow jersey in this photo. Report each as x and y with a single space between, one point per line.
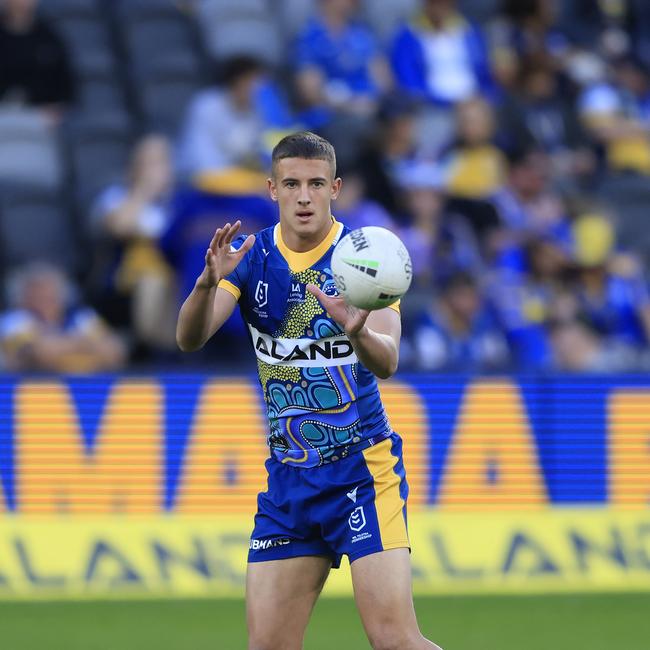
322 404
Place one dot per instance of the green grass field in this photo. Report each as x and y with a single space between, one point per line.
594 622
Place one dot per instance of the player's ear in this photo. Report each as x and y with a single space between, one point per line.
273 192
336 187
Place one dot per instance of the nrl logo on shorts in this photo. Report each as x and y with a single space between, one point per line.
357 520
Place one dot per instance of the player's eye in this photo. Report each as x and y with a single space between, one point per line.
290 184
318 183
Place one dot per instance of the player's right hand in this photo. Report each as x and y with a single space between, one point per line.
220 260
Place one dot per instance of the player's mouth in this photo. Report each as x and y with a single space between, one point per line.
304 215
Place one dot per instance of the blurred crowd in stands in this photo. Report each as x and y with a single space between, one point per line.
507 142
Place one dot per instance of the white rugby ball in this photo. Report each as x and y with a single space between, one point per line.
371 267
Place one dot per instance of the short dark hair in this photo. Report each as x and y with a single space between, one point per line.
457 278
237 67
304 144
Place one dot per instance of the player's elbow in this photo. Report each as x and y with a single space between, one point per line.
186 345
387 370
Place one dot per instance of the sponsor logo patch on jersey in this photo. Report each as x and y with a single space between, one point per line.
305 353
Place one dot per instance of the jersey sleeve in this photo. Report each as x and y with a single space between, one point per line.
235 282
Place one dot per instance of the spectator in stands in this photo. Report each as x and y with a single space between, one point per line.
341 74
128 218
390 147
230 130
527 203
474 165
577 347
34 68
45 329
355 209
617 113
610 28
524 30
440 59
457 331
439 242
527 283
611 290
540 112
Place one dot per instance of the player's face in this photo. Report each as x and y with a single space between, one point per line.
304 190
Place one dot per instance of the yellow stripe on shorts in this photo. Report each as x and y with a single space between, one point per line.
388 502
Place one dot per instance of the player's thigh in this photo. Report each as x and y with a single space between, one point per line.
383 594
280 595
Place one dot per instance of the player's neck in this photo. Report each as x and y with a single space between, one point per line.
303 243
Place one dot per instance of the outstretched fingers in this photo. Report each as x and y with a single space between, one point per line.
223 235
232 231
213 241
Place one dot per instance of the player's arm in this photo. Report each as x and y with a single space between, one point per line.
207 307
374 335
376 341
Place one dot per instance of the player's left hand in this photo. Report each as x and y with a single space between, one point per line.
349 317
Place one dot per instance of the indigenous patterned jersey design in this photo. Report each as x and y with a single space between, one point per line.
322 404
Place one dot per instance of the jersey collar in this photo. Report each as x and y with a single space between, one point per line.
300 261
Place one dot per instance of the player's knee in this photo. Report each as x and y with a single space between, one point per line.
272 644
268 636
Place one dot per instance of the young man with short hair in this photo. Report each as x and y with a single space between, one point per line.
336 483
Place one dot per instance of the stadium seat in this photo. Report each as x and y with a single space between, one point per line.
628 195
98 156
96 62
163 102
226 8
479 11
131 10
293 15
29 150
89 44
34 225
256 36
166 62
385 16
83 33
159 33
86 124
100 93
53 9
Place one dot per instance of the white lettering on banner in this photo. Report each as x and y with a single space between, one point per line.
304 353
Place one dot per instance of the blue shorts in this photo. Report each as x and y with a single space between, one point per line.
355 506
